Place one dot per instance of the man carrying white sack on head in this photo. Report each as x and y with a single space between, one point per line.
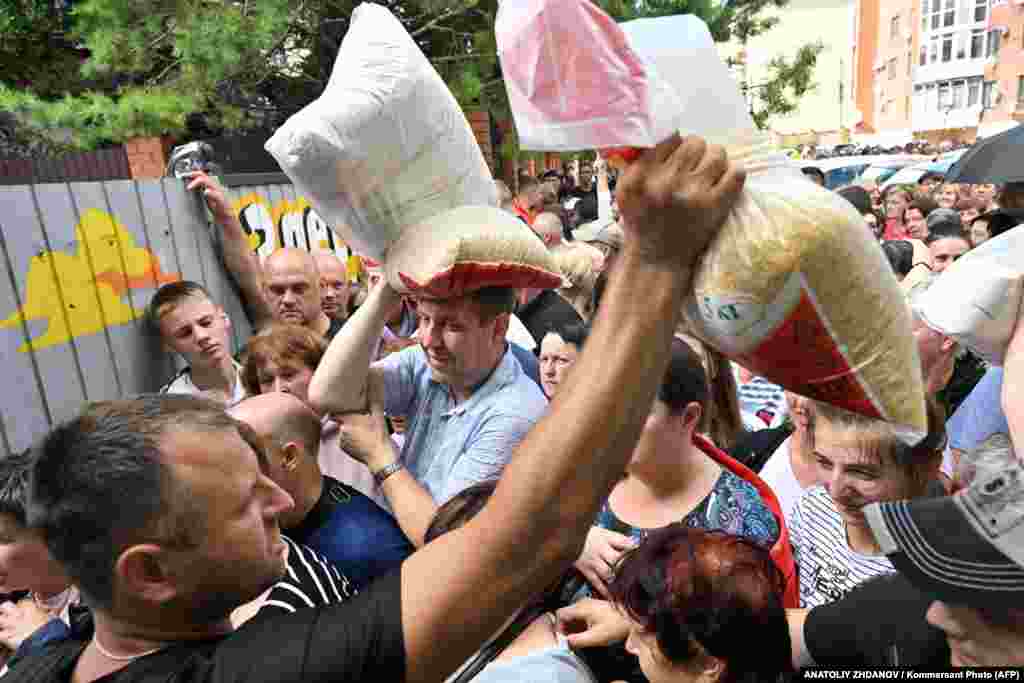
465 397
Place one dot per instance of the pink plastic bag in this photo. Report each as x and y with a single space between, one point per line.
574 82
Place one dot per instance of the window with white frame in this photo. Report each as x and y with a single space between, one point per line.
947 47
933 50
973 92
944 101
988 94
994 38
980 10
962 39
977 43
958 94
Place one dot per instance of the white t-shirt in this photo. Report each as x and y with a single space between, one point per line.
182 384
778 474
827 567
519 335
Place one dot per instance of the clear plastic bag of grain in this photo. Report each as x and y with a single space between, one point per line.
795 290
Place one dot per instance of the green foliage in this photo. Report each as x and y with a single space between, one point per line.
113 69
790 80
93 119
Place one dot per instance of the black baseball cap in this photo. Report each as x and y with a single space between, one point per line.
965 549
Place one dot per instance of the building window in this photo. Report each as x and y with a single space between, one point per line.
929 97
949 13
891 68
977 43
961 45
944 96
980 10
958 95
1020 90
947 47
994 37
924 55
933 50
988 94
894 27
973 92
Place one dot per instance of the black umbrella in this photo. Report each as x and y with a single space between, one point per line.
998 159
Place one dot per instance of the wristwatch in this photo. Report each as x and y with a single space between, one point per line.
383 473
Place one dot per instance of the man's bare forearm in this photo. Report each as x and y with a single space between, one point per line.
244 265
412 504
340 381
536 522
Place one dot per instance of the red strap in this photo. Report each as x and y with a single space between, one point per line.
782 552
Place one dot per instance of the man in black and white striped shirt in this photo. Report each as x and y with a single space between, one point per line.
309 581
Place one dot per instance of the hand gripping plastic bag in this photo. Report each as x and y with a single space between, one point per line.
792 287
385 148
977 300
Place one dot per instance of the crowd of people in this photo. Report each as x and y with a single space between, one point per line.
549 485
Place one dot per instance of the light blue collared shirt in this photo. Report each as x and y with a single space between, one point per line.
448 446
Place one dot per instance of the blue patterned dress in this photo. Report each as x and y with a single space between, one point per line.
733 506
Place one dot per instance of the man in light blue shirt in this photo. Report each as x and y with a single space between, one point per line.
978 417
467 401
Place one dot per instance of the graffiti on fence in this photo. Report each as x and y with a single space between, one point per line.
81 290
287 223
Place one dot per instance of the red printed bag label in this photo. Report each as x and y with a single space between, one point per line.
787 342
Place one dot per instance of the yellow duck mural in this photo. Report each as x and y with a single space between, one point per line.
106 264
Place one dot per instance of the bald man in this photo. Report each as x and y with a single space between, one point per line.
334 285
291 286
330 517
548 227
286 288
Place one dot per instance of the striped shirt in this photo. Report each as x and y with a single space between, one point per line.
827 567
310 581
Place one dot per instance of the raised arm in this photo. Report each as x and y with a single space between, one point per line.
340 381
459 589
241 261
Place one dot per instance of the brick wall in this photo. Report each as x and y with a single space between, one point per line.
147 157
480 122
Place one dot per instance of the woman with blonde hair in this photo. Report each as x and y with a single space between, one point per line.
580 265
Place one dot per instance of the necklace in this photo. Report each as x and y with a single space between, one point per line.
121 658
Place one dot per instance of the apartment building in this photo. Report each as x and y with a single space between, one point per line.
942 69
950 90
893 68
1003 87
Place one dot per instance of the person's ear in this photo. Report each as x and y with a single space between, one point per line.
711 668
290 455
691 416
146 572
